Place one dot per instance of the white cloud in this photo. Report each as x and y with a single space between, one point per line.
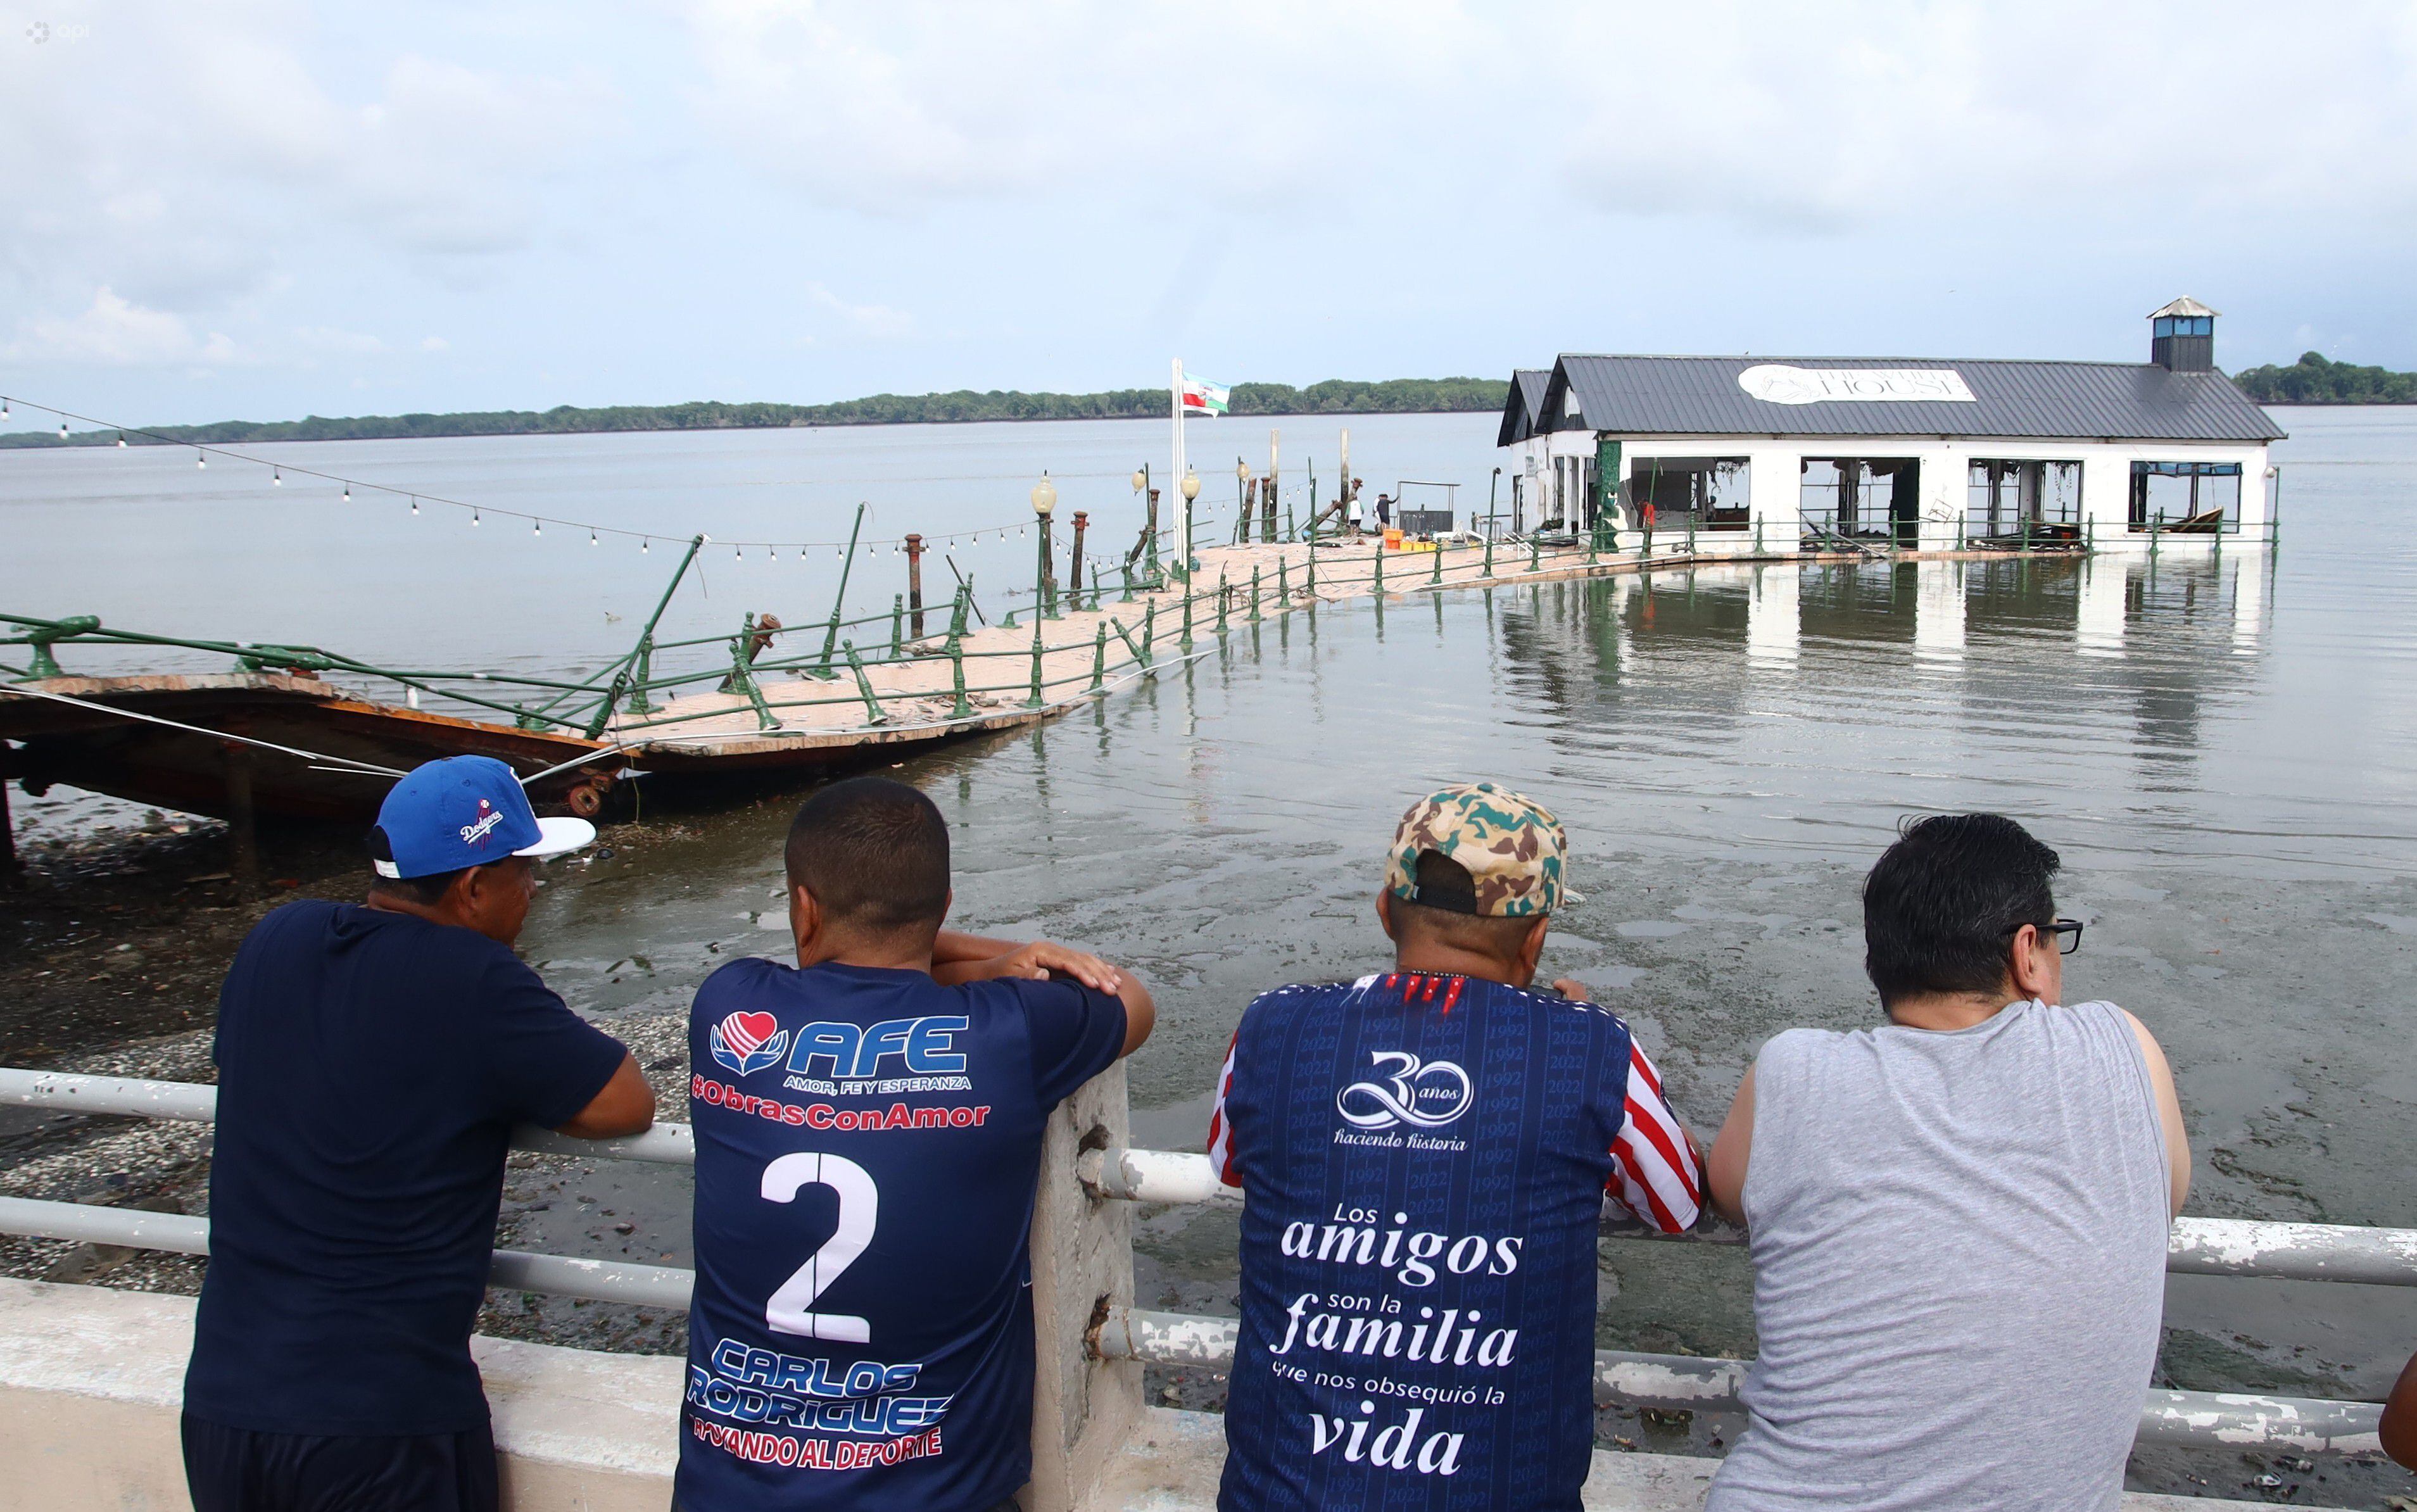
867 320
113 331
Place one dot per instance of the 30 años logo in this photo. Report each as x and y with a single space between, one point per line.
1420 1094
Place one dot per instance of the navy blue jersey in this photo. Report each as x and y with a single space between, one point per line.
1425 1159
370 1068
867 1146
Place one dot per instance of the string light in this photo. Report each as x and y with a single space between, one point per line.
349 493
473 518
4 409
591 537
121 438
643 546
275 479
414 506
537 527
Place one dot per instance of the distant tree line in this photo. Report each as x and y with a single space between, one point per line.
2316 380
1336 396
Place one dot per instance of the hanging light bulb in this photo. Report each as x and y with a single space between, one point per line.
200 459
63 429
738 554
349 493
414 506
644 545
591 537
121 438
4 409
275 479
474 517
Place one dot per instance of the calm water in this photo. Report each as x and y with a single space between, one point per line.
2222 752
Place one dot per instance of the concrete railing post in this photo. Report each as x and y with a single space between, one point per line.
1084 1409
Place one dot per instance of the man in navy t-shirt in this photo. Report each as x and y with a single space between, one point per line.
868 1141
372 1060
1425 1154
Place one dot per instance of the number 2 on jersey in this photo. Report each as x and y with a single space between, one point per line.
788 1311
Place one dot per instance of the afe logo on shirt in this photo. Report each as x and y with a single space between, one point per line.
748 1042
1420 1094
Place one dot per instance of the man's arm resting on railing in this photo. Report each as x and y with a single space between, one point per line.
968 958
626 1105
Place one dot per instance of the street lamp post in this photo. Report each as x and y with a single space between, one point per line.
1150 520
1044 504
1191 496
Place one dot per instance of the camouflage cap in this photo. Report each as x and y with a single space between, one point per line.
1511 845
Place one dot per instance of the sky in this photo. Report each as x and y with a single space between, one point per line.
262 208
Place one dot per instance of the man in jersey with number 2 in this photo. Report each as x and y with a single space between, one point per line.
868 1138
1425 1153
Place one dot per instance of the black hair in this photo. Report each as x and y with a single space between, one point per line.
426 891
1451 918
1941 906
874 853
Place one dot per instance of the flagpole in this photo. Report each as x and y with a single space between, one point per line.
1175 485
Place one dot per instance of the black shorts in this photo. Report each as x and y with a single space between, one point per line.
237 1470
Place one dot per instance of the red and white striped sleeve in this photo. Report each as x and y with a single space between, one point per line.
1221 1128
1654 1173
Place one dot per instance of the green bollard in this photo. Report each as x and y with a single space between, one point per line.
1148 629
1284 585
897 625
1187 618
1100 659
1376 579
1253 617
1222 594
1436 576
1035 700
1311 590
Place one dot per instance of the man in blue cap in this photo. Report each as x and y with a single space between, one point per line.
372 1060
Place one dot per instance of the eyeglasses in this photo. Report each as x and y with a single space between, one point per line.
2065 932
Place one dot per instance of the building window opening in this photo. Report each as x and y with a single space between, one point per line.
2186 498
1675 494
2004 497
2181 325
1858 499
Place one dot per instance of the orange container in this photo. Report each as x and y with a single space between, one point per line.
1392 538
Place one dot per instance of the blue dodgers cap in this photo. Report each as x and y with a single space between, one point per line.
466 811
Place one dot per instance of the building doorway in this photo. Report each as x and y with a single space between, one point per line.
1862 499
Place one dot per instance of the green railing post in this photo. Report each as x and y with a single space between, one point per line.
1140 652
1284 587
1757 535
1127 569
2089 536
646 652
1535 555
1100 659
1376 579
846 565
1254 594
1691 534
1312 589
962 709
743 680
1435 576
1187 617
1489 554
897 625
2027 536
1035 700
1223 594
2156 526
957 615
1148 629
872 714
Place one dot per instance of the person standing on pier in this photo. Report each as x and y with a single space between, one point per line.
868 1126
1960 1217
1425 1152
373 1061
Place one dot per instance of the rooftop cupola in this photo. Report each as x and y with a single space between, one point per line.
2181 337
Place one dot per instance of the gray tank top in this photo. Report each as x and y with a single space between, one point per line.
1959 1251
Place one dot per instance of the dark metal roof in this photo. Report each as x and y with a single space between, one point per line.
1521 407
2059 401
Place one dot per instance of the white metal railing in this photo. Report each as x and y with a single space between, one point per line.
2211 1247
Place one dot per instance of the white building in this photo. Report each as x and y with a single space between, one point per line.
1762 452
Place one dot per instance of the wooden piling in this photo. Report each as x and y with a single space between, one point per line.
1082 522
914 584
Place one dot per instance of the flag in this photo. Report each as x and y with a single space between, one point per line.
1201 397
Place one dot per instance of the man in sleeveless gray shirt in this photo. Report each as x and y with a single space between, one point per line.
1959 1216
